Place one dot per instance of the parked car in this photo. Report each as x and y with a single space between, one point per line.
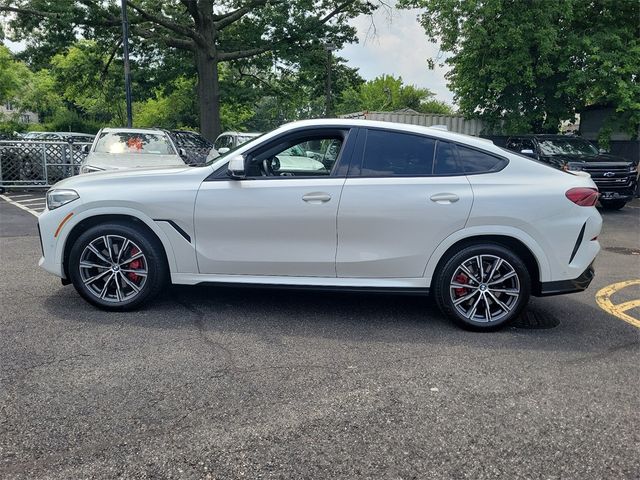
394 207
24 159
125 148
192 147
228 140
615 177
72 137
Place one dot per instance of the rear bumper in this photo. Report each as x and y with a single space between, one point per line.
561 287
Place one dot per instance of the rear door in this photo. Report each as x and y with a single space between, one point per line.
400 201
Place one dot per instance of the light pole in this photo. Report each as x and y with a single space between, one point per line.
328 110
127 72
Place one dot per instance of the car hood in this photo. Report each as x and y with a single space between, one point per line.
113 161
603 158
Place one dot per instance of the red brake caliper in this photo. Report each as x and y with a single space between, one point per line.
461 278
136 264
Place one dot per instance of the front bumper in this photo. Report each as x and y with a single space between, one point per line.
561 287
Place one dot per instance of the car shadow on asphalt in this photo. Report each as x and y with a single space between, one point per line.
349 317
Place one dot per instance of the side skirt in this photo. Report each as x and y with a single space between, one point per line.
416 286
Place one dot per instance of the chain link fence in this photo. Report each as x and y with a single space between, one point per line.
38 163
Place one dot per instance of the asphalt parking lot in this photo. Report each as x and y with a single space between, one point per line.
250 383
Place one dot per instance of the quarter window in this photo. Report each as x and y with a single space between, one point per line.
446 160
397 154
475 161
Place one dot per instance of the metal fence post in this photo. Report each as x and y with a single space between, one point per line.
44 163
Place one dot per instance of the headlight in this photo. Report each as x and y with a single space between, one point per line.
633 169
574 167
58 197
90 169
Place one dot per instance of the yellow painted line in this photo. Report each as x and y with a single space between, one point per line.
603 298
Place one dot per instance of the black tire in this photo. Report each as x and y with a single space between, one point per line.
613 204
152 262
450 271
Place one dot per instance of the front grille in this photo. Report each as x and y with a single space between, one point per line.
610 176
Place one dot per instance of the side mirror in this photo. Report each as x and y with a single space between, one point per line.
528 152
182 152
223 150
235 168
602 150
85 148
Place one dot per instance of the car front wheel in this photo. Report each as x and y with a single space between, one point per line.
117 266
483 287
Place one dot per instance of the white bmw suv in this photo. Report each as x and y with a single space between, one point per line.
367 205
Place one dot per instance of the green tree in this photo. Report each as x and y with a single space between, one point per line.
526 65
388 93
210 32
89 83
13 75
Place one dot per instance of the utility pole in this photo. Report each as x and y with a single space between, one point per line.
127 71
328 107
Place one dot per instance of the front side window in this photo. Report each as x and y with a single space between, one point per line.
514 144
310 156
475 161
134 142
390 154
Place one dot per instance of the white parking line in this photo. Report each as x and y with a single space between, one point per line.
20 206
20 196
32 200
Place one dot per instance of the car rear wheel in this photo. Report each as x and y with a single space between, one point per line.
483 287
117 267
612 204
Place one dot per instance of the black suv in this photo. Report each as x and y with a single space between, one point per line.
615 177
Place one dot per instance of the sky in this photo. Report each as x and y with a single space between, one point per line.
400 47
397 46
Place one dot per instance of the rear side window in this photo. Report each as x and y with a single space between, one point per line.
389 154
475 161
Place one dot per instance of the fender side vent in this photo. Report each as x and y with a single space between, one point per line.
578 242
176 227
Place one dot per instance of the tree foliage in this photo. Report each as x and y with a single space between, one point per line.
207 33
388 93
526 65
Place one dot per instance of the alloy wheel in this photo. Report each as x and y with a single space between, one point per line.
484 288
113 268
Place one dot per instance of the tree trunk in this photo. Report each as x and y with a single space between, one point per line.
208 94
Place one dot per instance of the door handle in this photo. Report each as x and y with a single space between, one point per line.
316 197
444 198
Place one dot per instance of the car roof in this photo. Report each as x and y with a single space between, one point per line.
132 130
245 134
478 142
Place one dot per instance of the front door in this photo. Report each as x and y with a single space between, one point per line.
281 219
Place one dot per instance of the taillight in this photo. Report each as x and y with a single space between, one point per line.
583 196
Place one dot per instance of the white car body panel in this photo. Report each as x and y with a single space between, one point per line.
372 232
270 230
388 227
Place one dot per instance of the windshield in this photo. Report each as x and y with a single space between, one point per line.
134 142
569 146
